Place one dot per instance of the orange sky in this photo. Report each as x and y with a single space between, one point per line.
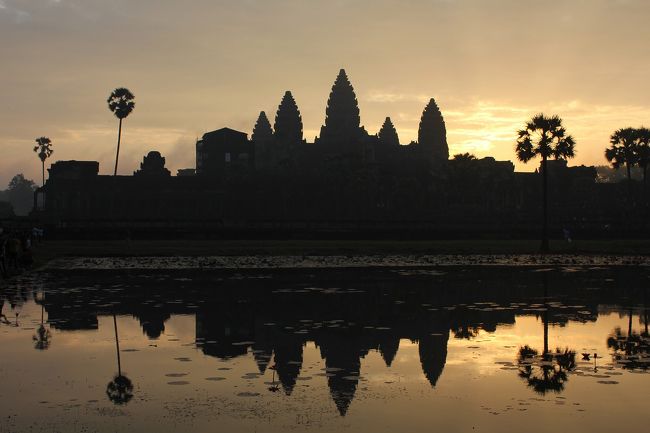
196 67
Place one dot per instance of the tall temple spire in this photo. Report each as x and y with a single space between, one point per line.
432 134
288 122
387 134
262 132
342 115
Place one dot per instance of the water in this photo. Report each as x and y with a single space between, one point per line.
455 348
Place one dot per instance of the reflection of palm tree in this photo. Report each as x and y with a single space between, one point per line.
631 350
547 372
466 332
120 389
42 336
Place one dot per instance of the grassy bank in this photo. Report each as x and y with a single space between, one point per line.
62 248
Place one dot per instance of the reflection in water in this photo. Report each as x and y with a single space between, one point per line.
548 371
120 389
280 321
632 349
42 337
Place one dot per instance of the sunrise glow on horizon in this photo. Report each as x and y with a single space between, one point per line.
218 64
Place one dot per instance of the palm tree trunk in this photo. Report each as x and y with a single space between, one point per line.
629 180
544 247
43 171
117 345
119 137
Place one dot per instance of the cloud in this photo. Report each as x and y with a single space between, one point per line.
380 97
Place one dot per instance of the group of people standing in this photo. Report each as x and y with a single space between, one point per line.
16 250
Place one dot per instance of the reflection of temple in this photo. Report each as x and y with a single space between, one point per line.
251 317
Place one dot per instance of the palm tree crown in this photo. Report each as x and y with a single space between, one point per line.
546 137
622 150
44 150
121 103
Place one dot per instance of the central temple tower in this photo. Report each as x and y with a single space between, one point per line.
341 129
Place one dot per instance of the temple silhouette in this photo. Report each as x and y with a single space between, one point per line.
347 180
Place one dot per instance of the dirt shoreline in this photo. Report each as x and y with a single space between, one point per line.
338 262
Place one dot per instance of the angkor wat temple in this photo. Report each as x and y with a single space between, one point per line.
347 180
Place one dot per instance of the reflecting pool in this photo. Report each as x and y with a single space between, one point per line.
385 349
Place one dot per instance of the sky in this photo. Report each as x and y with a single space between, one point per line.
200 65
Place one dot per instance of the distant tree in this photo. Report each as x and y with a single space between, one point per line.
623 149
464 157
44 150
20 193
643 150
388 134
545 137
121 103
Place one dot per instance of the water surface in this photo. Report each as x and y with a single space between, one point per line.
449 348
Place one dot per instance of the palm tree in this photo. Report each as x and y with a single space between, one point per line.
623 149
546 137
44 150
643 150
121 103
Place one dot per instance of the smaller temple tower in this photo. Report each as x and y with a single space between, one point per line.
288 129
262 139
388 134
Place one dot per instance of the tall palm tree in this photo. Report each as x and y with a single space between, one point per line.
121 103
623 149
545 137
44 150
